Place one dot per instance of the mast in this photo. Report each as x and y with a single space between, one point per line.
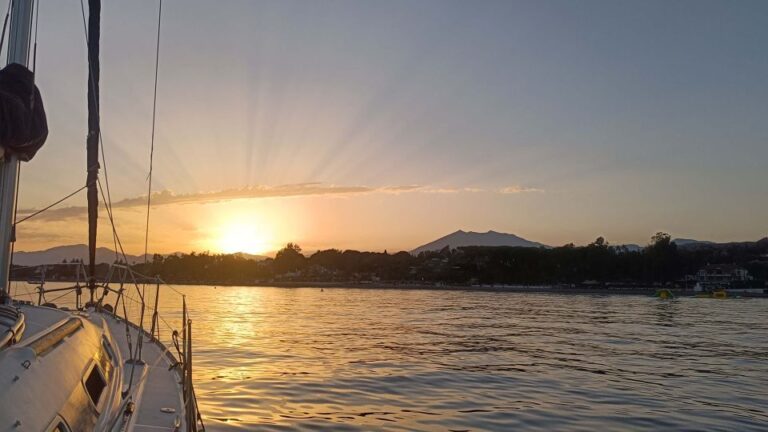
18 52
92 141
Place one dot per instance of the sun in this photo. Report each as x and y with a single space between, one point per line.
243 238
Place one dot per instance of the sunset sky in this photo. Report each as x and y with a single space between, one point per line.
386 124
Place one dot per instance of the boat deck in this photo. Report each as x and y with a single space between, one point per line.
155 386
159 405
38 318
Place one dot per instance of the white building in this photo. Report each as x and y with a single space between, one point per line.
720 276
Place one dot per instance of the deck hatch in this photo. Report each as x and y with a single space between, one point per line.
58 425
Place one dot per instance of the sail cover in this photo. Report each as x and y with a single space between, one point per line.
23 125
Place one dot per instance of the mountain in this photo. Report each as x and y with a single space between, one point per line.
690 243
246 255
59 253
698 244
632 247
463 238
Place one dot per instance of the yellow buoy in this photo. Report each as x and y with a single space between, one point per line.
720 294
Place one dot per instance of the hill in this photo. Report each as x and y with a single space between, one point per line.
470 238
104 255
59 253
691 243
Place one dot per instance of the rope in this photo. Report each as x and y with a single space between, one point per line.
36 10
26 292
53 300
115 236
172 288
154 118
108 200
15 214
50 206
20 267
5 25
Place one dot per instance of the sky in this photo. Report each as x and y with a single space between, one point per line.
382 125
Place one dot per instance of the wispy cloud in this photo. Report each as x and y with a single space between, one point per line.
166 197
398 189
450 190
516 189
300 189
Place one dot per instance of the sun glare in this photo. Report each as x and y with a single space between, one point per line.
243 238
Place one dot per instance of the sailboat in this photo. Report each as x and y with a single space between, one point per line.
87 368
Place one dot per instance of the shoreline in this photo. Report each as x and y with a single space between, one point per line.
537 289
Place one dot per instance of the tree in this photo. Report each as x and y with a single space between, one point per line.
662 258
289 259
661 238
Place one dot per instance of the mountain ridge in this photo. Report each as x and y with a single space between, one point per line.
463 238
106 255
57 254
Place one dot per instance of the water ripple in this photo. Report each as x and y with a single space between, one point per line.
354 360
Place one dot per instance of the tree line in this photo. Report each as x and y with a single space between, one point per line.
661 261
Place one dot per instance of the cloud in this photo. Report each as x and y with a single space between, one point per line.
399 189
166 197
451 190
300 189
254 192
516 189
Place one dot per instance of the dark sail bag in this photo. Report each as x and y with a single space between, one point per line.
23 125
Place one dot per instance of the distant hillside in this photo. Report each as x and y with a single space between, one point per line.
684 243
699 244
59 253
632 247
246 255
463 238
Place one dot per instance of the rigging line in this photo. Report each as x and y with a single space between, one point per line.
172 288
115 236
5 25
36 10
26 292
108 206
163 355
29 40
53 300
15 213
154 118
49 207
108 199
20 267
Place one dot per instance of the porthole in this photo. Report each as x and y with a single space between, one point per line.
108 348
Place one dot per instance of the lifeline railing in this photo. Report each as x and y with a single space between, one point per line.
122 273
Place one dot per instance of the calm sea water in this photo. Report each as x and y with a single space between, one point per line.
353 359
